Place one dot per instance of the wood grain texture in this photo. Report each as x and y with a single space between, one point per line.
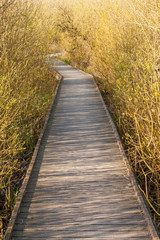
80 186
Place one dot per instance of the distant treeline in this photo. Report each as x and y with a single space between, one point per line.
119 42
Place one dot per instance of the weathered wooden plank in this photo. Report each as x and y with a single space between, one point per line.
87 238
81 234
98 218
79 200
111 220
117 198
86 227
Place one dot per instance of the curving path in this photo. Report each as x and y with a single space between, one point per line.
80 187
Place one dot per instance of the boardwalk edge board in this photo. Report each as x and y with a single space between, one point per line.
16 209
151 226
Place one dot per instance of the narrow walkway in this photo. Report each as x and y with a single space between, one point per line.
79 187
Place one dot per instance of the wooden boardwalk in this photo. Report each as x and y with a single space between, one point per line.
79 187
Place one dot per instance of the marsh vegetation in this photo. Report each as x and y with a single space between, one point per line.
119 43
26 89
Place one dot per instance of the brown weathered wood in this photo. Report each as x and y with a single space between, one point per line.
80 186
